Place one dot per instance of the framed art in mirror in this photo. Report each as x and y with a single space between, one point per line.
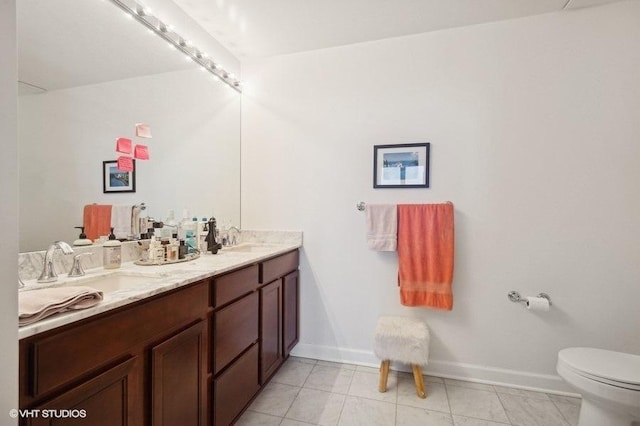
401 165
116 180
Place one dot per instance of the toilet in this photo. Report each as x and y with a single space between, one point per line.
609 383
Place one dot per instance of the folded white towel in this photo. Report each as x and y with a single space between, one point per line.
382 227
34 305
135 220
121 220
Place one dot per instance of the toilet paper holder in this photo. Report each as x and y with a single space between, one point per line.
514 296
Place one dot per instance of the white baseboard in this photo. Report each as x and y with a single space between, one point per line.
451 370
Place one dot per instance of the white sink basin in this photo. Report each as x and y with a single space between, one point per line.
250 248
118 281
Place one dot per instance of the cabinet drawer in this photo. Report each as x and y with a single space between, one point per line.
234 285
235 387
278 267
68 355
235 328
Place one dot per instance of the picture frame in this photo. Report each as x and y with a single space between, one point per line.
401 165
114 180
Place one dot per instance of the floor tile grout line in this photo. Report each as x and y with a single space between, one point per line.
346 396
506 412
395 406
554 405
483 420
446 393
567 421
299 388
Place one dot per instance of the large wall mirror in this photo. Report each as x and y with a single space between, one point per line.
87 76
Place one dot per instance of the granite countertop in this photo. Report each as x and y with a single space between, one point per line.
148 281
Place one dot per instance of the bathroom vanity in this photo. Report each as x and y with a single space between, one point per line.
194 353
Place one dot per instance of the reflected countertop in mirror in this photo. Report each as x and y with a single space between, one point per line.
89 75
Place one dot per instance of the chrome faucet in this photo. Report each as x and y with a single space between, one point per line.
233 241
77 270
48 274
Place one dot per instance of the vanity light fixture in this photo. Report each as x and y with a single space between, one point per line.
166 31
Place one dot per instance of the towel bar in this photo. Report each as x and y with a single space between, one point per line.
514 296
361 205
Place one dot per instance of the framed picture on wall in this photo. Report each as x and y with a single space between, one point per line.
116 180
401 166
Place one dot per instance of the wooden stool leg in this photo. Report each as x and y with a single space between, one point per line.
384 374
417 377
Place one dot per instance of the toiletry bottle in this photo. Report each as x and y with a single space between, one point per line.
224 235
151 251
191 236
82 238
185 223
202 235
158 253
165 248
112 252
172 251
182 250
170 225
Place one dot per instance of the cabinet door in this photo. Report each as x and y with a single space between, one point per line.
291 308
270 329
179 379
110 399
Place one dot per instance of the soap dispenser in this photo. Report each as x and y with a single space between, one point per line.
82 238
212 245
112 252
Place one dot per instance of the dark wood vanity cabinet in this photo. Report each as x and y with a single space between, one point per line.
194 356
252 318
279 311
142 364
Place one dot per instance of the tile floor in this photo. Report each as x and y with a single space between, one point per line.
309 392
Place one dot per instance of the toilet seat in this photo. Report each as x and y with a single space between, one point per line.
612 368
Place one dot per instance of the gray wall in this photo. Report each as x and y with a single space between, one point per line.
534 132
9 214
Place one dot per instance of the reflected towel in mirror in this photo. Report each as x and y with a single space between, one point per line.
97 220
121 220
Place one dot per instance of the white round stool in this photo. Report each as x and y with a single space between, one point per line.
403 340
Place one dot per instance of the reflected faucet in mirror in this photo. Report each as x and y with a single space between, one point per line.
48 274
233 240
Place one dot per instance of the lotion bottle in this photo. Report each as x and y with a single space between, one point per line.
112 252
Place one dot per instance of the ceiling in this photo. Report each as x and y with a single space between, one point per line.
257 28
70 43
